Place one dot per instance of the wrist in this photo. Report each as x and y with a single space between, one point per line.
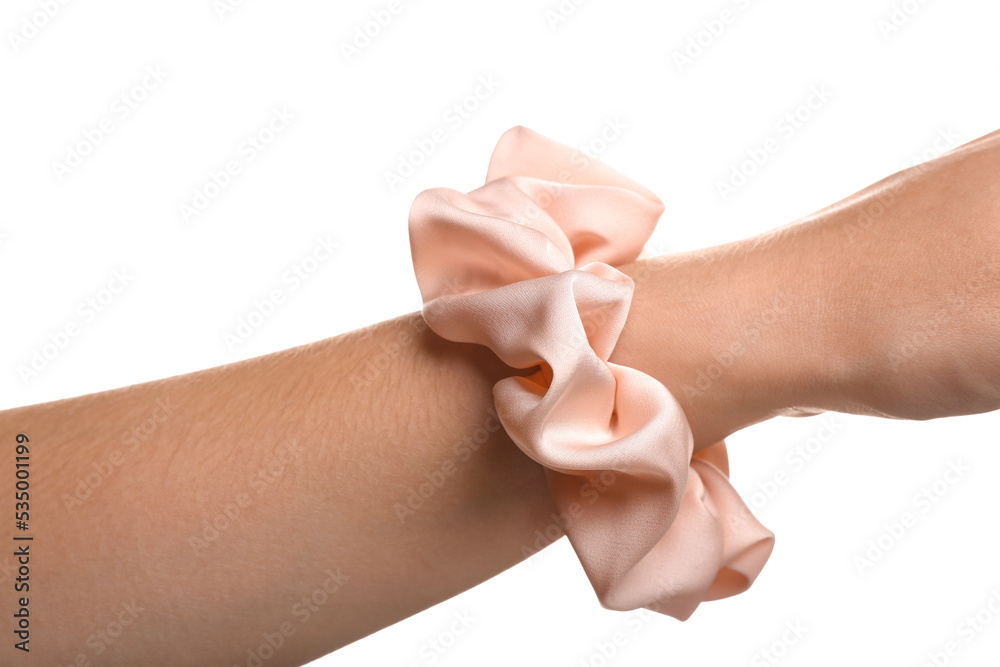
722 330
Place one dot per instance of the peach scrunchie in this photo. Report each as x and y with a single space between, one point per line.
523 266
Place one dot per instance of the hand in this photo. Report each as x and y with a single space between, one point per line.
886 303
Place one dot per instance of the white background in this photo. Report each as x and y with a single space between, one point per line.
894 93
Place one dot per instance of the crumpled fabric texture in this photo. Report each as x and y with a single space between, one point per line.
524 265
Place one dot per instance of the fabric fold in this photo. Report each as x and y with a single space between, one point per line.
524 266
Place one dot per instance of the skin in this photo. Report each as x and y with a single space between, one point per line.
886 304
302 462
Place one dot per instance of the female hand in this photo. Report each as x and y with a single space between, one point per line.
886 303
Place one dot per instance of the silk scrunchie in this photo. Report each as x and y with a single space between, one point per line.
523 266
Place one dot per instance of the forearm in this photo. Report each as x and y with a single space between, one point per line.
387 468
886 303
233 493
906 275
220 503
